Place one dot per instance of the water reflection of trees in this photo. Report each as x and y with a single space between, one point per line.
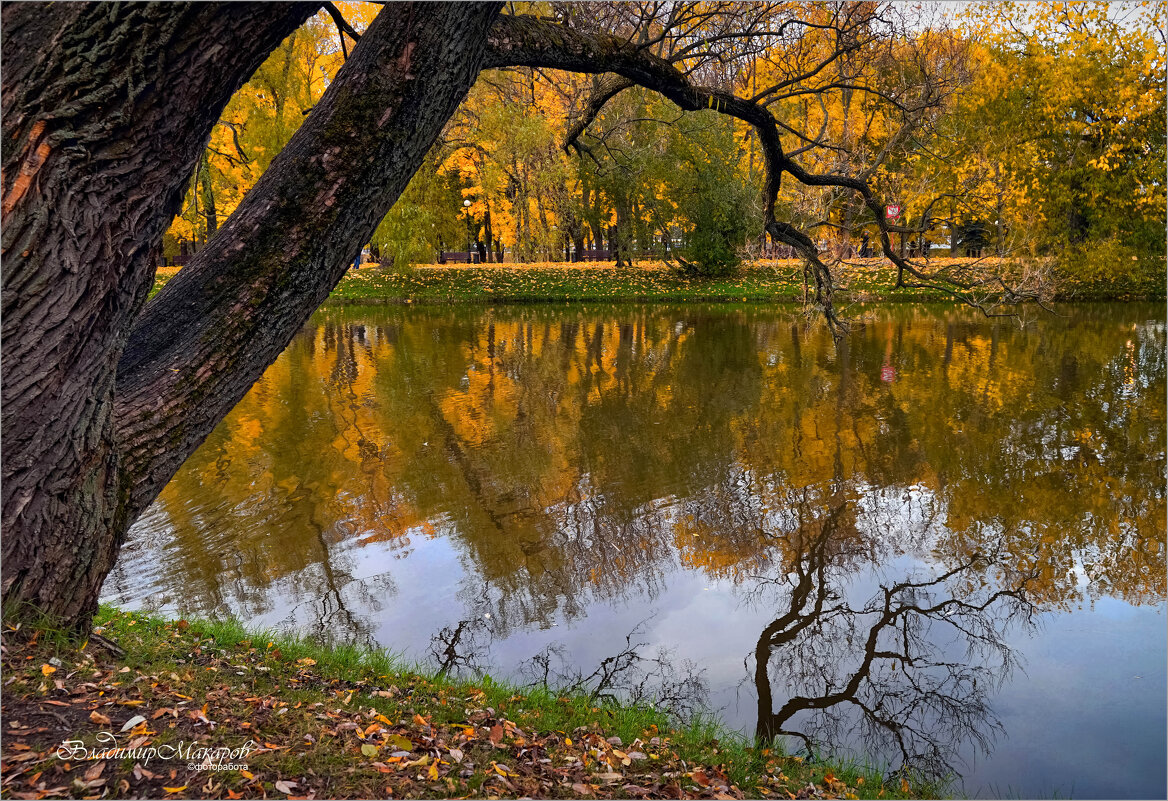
573 455
906 674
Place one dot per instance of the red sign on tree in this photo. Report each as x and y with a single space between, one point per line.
892 211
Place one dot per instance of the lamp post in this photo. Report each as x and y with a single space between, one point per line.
466 208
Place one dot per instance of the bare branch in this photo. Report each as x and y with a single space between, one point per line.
343 27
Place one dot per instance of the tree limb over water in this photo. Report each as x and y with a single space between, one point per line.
527 41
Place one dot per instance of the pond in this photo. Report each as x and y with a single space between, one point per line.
940 542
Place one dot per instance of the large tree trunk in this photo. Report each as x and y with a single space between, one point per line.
212 331
106 109
620 235
488 232
95 163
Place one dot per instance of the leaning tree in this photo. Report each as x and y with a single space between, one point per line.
106 110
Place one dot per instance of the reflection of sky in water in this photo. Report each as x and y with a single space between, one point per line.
379 484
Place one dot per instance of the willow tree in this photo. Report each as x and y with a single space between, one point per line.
106 111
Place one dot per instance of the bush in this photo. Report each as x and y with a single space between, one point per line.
1110 268
720 230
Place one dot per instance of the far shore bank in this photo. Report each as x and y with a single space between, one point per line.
778 281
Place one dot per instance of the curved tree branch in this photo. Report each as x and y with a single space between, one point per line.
527 41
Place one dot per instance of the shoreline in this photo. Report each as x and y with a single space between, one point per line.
650 282
283 715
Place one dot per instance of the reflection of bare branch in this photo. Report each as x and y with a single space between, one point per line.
887 669
626 676
462 648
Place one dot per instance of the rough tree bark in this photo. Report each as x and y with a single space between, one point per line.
211 332
106 109
100 134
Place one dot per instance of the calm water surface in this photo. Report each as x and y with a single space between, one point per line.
941 543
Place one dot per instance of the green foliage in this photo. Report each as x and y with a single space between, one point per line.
1050 131
424 220
669 174
1114 267
720 218
971 236
712 197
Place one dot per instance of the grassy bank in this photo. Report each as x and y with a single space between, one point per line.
346 723
773 281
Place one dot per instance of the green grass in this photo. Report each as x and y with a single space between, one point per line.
774 281
314 700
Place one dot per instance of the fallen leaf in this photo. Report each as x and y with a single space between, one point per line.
47 669
369 750
399 742
132 722
496 734
175 789
286 787
99 718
